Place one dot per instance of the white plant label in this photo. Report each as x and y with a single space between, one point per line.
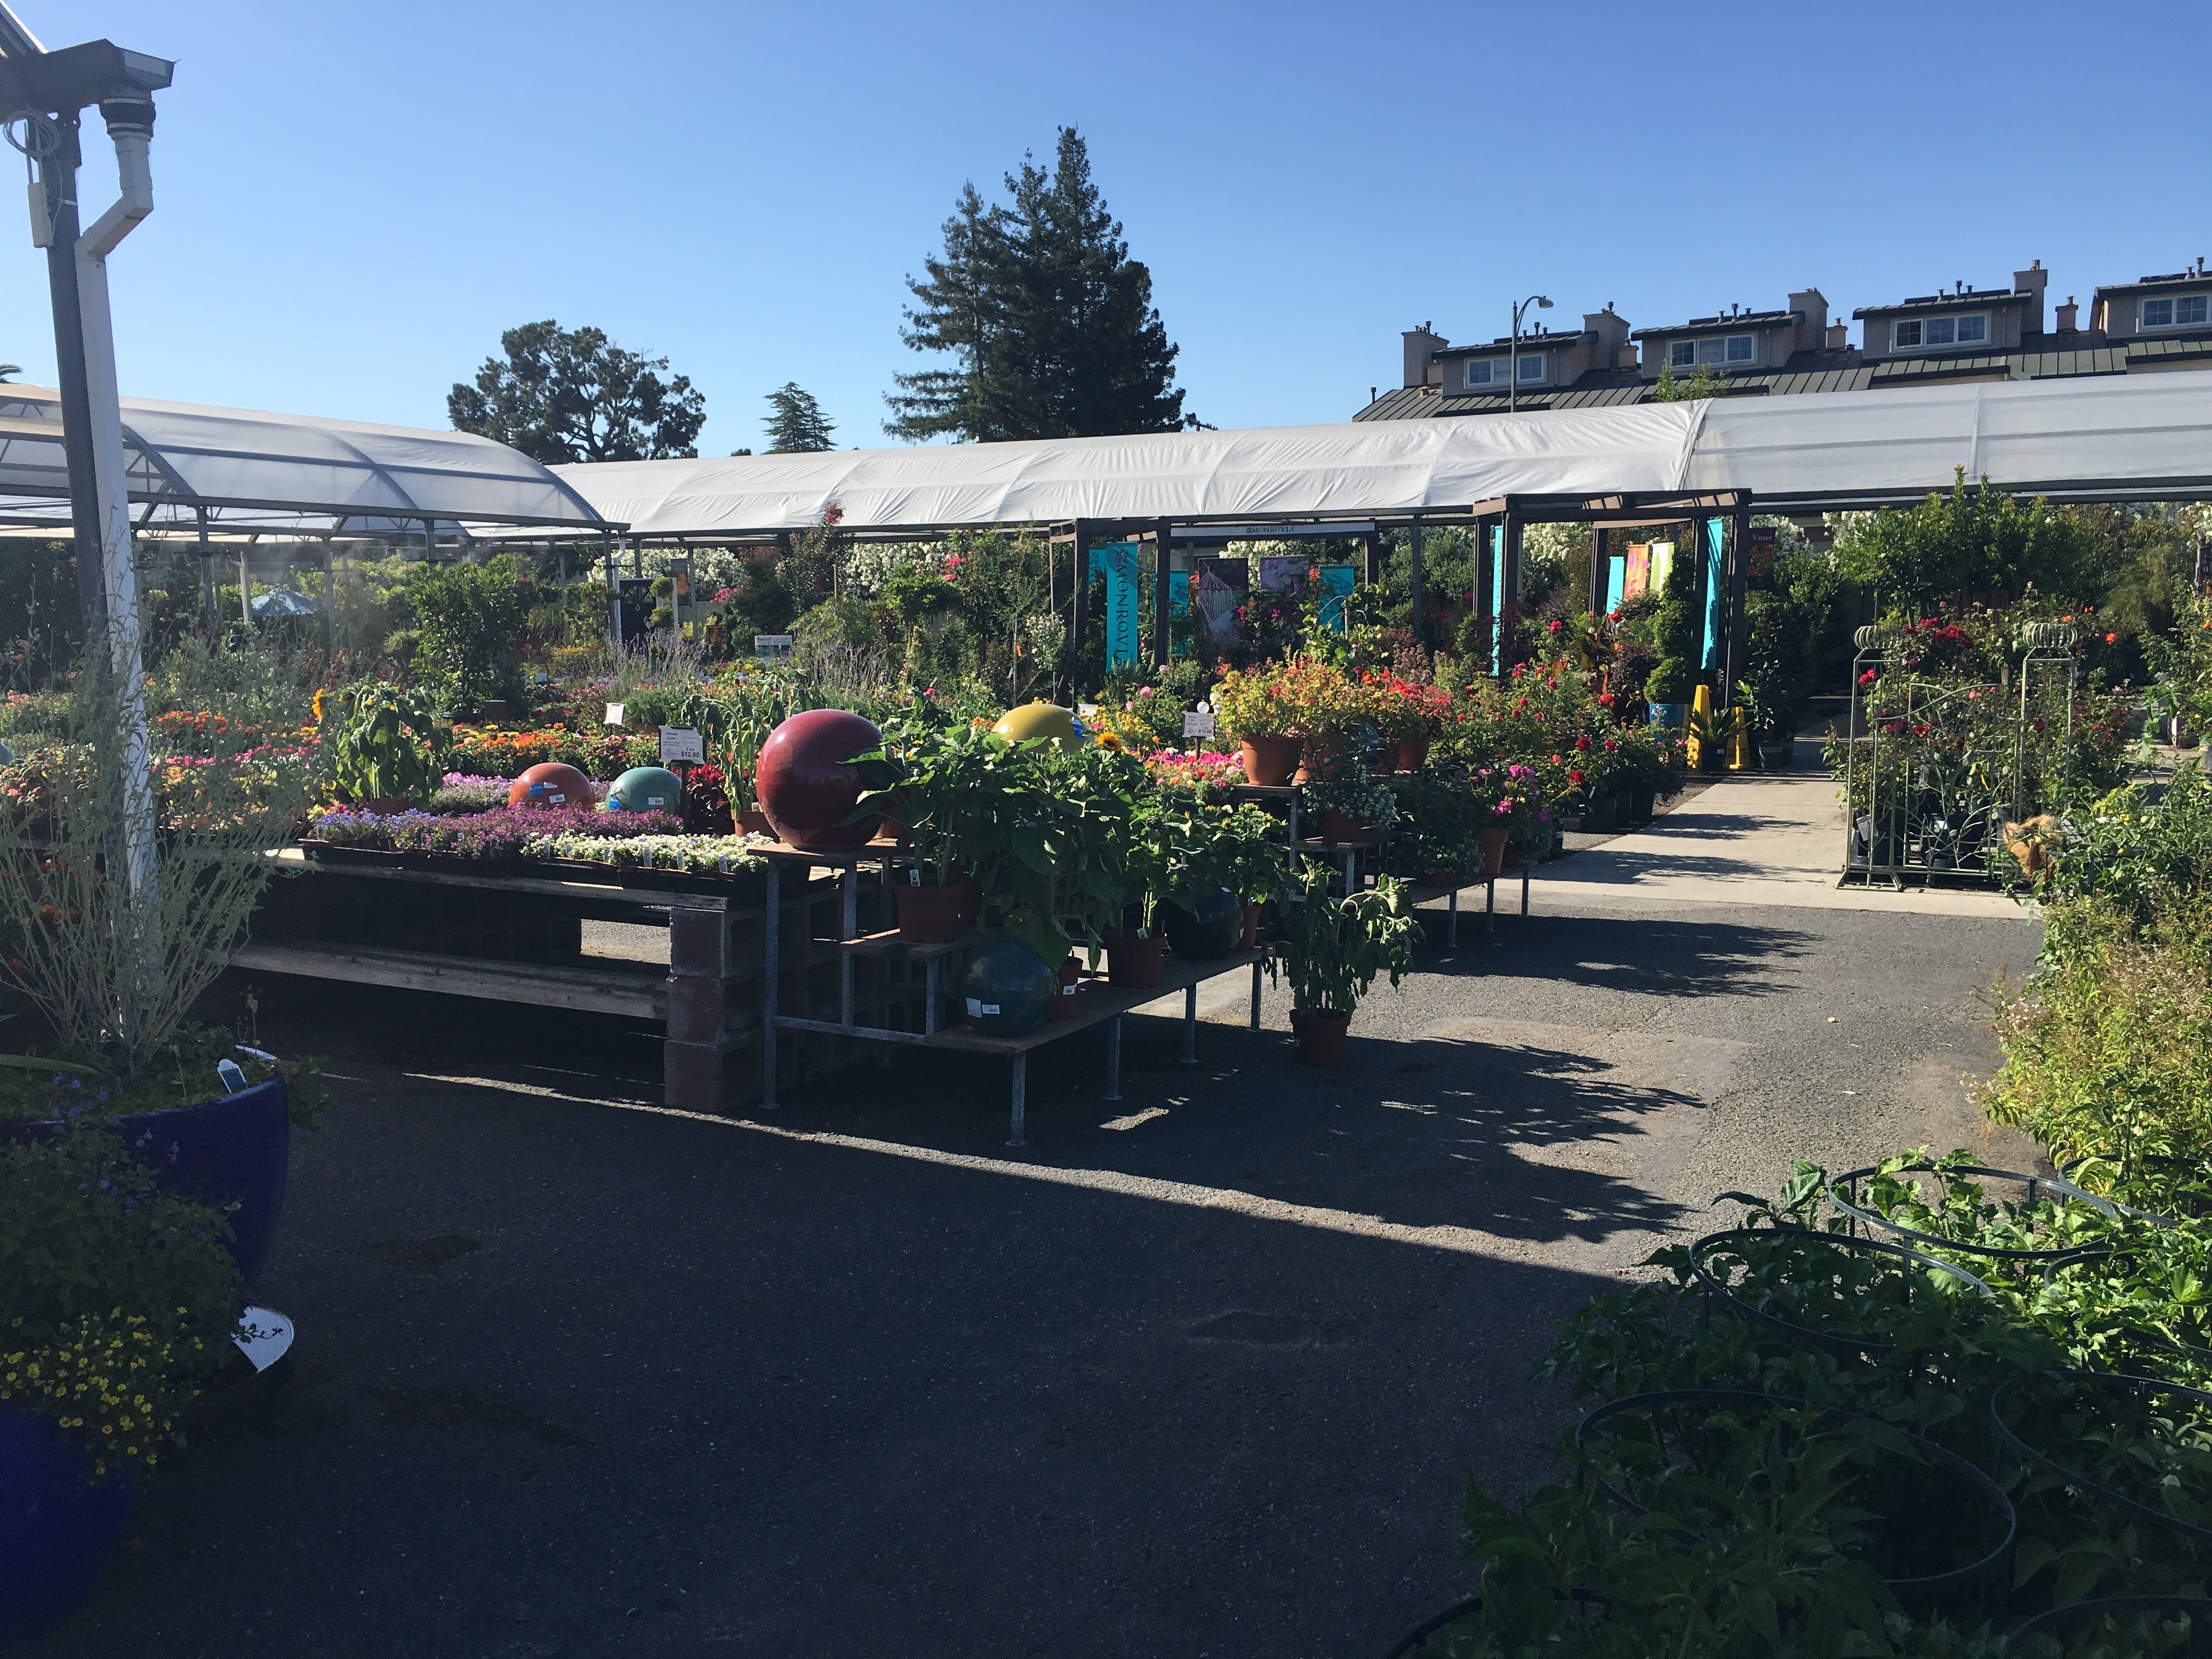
614 714
977 1007
681 743
1197 724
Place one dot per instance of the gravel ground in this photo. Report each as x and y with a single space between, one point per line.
1204 1372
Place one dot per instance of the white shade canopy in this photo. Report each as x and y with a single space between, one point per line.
2131 437
282 472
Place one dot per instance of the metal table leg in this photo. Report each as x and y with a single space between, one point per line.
772 928
1021 1101
1113 1059
1257 968
1524 892
1451 927
1490 905
1190 1025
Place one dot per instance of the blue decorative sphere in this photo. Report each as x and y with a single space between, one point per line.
1008 990
645 789
1208 930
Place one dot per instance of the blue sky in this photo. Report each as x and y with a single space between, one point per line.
354 200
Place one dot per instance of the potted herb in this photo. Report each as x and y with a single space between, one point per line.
1331 950
117 1301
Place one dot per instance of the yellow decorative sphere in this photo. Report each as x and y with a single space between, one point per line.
1039 719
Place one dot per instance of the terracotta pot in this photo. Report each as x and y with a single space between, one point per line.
929 914
1269 761
1070 977
1492 843
755 823
1250 940
972 905
808 781
1321 1037
384 806
891 826
1319 757
1340 826
1133 960
1414 753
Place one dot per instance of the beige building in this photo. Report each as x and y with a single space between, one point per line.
1737 341
1985 321
2155 308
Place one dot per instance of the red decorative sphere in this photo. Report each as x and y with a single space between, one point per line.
550 783
806 781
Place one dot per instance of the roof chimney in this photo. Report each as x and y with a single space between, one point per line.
1422 345
1813 305
2067 315
2032 280
1839 336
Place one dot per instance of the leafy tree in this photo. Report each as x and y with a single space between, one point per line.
469 620
798 422
1978 544
572 395
1052 320
1707 382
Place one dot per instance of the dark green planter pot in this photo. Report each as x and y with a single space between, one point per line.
1209 930
1008 990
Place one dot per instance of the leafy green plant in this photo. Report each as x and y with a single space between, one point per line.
1331 950
469 620
386 744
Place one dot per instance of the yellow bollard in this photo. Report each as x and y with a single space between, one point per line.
1739 749
1701 714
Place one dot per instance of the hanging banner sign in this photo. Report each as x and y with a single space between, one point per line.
1222 584
1636 581
1117 562
1337 582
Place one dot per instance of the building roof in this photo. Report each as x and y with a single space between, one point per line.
2146 284
1972 297
1728 325
1505 342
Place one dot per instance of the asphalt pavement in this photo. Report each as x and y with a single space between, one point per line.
1202 1372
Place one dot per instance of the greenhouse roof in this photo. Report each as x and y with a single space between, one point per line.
281 472
2140 437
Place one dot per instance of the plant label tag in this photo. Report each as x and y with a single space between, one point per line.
913 876
1197 724
977 1007
1067 990
614 716
681 743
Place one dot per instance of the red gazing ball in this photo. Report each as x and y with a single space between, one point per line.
806 781
550 783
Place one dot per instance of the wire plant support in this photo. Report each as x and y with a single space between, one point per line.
1932 776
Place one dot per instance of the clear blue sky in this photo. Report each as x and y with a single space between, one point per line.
354 200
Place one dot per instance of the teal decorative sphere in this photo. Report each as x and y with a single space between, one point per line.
1008 990
645 789
1207 931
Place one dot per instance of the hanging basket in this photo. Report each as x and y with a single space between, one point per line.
1836 1248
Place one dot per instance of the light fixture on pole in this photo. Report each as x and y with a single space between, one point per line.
1513 351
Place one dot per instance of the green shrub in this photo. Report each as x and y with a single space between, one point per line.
469 624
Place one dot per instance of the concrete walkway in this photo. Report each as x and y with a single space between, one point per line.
1774 838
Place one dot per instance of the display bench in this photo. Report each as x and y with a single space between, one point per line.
514 933
928 974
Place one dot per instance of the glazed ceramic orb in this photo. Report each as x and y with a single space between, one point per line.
552 784
1208 930
807 783
645 789
1008 990
1039 719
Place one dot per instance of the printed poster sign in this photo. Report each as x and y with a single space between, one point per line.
1222 584
681 743
1637 582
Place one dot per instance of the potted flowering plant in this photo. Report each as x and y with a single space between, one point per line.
118 1300
1351 802
1255 707
1332 951
1507 804
1406 714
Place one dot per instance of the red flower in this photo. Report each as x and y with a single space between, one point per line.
1554 625
1573 777
1582 743
2112 639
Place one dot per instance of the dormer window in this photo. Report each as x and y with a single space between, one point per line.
2182 311
1928 332
1719 351
1531 365
1485 372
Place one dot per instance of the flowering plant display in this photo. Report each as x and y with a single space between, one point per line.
1357 793
1301 697
1403 709
601 753
463 792
496 835
700 855
1209 776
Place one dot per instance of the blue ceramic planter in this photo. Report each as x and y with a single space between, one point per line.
232 1150
56 1525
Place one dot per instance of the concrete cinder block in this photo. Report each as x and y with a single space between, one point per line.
694 1009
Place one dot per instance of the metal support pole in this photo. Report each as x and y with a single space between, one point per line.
330 601
1490 905
1078 613
1451 926
1600 581
245 586
1735 641
1114 1058
1021 1099
771 967
1190 1024
207 574
1371 544
1258 969
57 172
851 884
1413 576
1162 637
1509 588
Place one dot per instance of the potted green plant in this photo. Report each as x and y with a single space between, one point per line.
1222 862
1668 690
1350 803
1254 706
1145 879
1331 950
118 1302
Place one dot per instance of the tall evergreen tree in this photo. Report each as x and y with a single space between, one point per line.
796 421
1052 320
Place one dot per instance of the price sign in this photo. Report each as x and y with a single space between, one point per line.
681 743
771 648
1197 724
614 714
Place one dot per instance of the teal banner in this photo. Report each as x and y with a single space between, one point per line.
1117 562
1716 588
1337 582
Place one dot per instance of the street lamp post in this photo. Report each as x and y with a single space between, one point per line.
1513 351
